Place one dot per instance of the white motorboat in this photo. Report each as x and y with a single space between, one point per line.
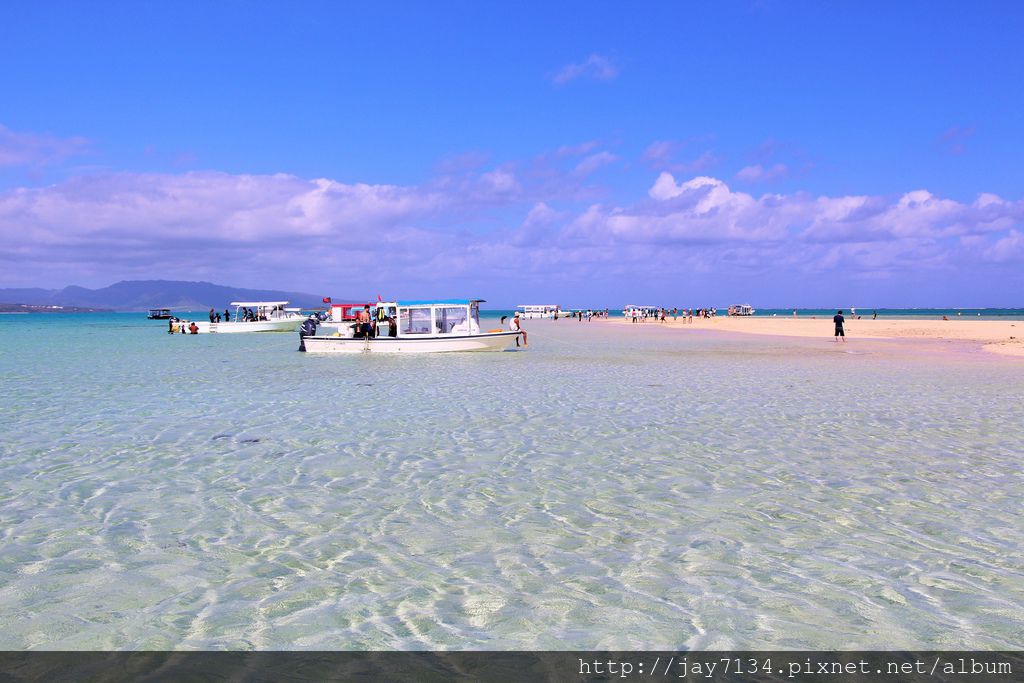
256 316
434 326
741 310
543 311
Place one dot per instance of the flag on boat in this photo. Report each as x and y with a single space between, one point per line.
327 299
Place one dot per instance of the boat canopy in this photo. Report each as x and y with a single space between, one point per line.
259 303
439 302
342 312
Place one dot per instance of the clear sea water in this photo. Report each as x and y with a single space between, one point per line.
609 488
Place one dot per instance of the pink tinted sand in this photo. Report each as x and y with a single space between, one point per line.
996 336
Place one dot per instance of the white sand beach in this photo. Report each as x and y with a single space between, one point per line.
1005 337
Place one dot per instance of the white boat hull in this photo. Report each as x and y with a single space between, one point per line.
282 325
490 341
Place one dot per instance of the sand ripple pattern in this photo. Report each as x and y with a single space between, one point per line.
606 489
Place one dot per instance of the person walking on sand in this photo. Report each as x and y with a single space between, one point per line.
839 320
513 326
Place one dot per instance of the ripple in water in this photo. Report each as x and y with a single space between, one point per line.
606 489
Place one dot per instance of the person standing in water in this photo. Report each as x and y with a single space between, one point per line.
365 324
838 319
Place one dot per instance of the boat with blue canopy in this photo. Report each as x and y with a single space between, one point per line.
411 326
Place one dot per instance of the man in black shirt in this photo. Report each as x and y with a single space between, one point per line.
839 320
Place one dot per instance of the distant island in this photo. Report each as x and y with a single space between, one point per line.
31 308
141 295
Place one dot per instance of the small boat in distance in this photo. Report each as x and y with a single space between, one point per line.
432 326
159 314
543 311
256 316
741 309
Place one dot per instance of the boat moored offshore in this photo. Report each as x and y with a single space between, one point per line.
741 309
543 311
431 326
255 316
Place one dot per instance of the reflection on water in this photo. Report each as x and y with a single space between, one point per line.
606 489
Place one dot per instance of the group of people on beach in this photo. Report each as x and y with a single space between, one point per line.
588 315
661 314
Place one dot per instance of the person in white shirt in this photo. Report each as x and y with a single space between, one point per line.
513 325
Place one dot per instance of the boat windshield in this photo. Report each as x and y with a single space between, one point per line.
452 319
415 320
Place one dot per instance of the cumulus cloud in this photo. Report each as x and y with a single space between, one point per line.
290 232
869 233
198 223
36 149
595 67
537 227
1007 249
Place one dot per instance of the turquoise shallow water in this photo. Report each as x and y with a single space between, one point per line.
610 488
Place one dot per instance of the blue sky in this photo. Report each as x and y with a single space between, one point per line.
587 153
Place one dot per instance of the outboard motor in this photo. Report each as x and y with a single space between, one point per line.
308 329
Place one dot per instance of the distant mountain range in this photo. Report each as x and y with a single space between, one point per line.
139 295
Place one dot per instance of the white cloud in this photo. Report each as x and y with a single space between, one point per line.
1007 249
661 155
759 174
595 66
500 181
35 149
233 228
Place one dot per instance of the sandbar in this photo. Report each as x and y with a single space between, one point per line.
1005 337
